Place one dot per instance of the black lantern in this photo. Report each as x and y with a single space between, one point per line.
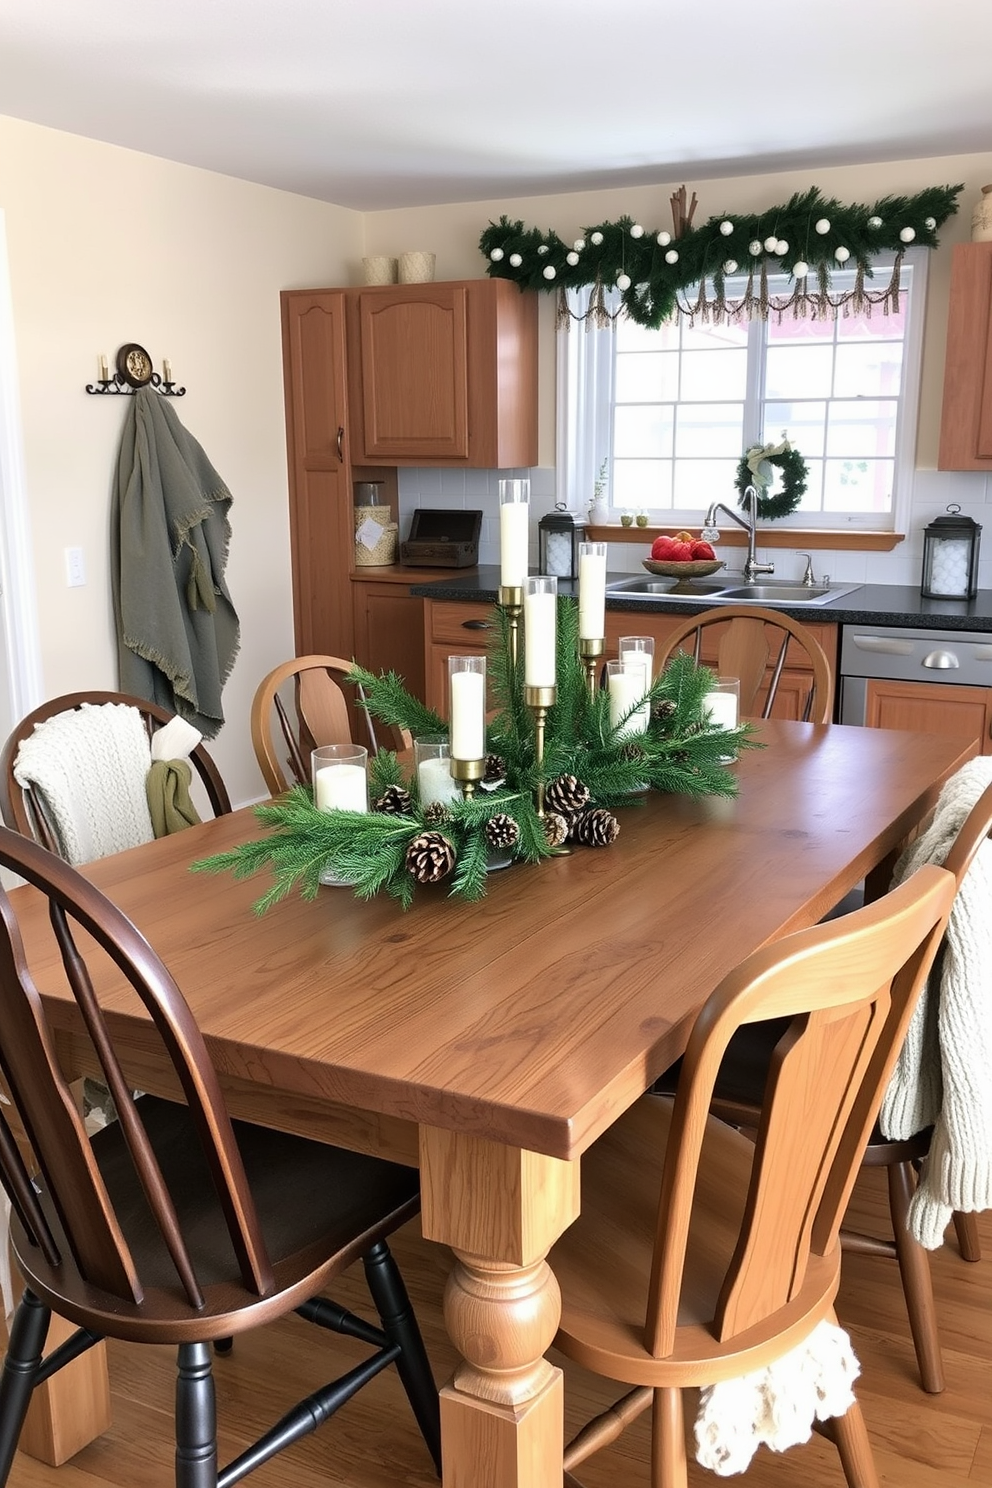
950 557
558 536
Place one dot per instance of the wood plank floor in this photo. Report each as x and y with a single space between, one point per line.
919 1440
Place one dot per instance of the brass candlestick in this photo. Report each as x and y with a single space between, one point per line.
467 773
539 700
590 651
511 599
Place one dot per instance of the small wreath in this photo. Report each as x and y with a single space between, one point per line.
794 472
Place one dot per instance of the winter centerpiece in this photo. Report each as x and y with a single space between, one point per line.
540 790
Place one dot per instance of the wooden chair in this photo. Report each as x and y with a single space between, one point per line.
745 651
320 711
175 1225
737 1099
21 808
739 1258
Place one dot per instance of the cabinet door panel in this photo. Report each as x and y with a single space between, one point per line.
931 708
389 633
321 508
415 374
966 414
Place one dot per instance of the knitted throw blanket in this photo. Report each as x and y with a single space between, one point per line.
776 1405
943 1076
88 767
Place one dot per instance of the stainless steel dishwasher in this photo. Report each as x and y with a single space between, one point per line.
890 653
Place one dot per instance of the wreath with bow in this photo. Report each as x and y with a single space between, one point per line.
755 469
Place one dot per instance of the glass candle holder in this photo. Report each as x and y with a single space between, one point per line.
467 707
626 687
432 761
514 533
592 591
540 631
721 708
637 656
340 783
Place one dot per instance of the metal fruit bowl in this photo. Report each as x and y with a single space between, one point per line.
692 568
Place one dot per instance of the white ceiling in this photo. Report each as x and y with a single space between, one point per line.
385 103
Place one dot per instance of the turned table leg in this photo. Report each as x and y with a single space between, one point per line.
501 1209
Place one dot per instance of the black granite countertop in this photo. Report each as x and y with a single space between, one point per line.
871 604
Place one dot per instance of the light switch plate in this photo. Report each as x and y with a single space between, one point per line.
75 568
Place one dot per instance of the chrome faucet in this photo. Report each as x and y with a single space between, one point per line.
710 532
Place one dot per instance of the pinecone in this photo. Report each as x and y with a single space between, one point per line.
632 752
495 768
394 801
663 710
430 857
596 828
555 829
437 814
566 795
501 830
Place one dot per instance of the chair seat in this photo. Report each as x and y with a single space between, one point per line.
602 1259
320 1207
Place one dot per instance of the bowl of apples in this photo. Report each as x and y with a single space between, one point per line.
681 557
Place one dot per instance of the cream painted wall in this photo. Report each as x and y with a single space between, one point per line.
106 246
452 233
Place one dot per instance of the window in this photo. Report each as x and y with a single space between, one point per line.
671 411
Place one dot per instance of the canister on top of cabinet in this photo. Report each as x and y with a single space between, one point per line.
950 556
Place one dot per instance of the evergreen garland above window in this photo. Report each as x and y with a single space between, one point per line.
807 238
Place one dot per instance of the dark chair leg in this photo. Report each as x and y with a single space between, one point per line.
400 1326
196 1419
969 1241
917 1283
223 1345
27 1342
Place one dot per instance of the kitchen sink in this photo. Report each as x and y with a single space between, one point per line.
730 590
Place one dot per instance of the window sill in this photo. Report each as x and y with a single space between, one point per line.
797 538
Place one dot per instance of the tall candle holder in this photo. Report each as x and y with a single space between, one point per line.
540 680
467 720
539 700
590 651
511 601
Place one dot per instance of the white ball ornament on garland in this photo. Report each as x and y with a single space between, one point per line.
572 258
515 260
730 266
754 247
929 223
671 257
875 222
781 248
596 237
550 271
907 234
664 239
800 269
623 282
496 255
542 248
822 225
637 231
579 244
726 228
770 243
842 254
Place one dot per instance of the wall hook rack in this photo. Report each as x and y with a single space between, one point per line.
133 369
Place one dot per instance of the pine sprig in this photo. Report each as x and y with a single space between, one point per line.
389 701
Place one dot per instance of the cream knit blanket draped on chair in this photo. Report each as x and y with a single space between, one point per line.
88 767
943 1076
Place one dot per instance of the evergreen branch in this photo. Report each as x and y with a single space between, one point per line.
388 700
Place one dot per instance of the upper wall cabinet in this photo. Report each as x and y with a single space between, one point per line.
443 374
966 419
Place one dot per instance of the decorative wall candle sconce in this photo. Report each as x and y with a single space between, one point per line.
133 369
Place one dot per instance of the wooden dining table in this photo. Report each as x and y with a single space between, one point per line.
491 1043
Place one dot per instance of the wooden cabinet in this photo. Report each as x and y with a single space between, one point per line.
461 628
389 627
931 708
444 374
966 417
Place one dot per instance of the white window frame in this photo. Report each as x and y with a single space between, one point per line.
585 380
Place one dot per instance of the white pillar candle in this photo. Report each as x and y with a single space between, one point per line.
340 788
513 543
540 634
592 591
467 713
434 780
626 688
720 708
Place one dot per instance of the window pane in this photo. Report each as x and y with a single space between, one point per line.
709 430
861 427
714 374
857 485
642 483
698 482
803 424
799 371
651 377
868 369
643 430
633 337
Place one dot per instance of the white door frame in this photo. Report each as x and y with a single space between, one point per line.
20 673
